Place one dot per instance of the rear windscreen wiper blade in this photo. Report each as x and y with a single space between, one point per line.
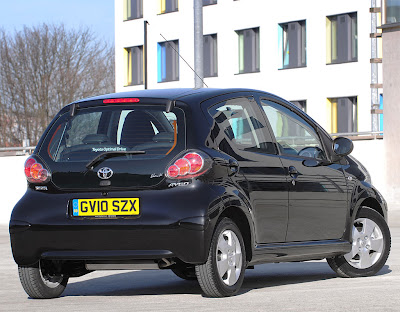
103 156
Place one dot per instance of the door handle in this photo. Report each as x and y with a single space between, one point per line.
293 172
234 166
233 163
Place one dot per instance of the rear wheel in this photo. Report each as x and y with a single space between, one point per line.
370 247
223 273
38 284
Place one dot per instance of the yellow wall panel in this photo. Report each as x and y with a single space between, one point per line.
328 41
331 110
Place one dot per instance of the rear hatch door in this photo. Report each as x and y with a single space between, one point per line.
113 146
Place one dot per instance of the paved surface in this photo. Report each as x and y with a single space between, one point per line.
308 286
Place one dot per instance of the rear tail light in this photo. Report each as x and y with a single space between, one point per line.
35 171
173 171
190 165
183 165
196 162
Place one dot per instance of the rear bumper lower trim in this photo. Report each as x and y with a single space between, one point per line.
106 254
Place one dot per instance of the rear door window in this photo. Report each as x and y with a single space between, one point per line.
239 125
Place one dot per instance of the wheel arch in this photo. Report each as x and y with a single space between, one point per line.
372 203
240 218
364 195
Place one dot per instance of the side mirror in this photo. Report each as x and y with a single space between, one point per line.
342 146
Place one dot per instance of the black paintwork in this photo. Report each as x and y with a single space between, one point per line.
287 208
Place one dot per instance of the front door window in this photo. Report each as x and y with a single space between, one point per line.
294 136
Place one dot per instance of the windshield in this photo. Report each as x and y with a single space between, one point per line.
97 130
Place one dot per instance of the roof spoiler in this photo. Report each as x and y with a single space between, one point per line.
72 110
170 106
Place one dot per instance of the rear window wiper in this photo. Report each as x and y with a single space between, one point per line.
103 156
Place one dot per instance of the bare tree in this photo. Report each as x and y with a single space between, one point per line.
44 68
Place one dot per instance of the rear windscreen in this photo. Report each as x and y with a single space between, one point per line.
114 129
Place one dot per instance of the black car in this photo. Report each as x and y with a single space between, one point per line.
205 182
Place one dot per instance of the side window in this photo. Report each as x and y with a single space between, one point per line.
293 134
239 125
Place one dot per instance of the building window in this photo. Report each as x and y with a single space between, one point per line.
168 61
133 9
392 11
342 114
249 50
292 43
208 2
134 66
341 38
167 6
300 104
210 55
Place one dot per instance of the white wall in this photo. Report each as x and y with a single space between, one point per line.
371 154
391 68
314 83
13 183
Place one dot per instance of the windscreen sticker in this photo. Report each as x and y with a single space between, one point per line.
108 149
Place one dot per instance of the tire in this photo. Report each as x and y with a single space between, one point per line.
41 286
370 246
223 273
187 273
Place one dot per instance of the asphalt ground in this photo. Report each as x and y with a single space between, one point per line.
303 286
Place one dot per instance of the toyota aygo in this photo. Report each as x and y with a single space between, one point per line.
204 182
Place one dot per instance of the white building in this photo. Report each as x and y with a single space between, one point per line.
314 53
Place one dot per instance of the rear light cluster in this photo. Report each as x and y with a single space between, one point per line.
35 172
189 166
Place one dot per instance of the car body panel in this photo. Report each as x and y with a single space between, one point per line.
317 201
285 222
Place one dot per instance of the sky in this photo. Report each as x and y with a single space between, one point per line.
96 14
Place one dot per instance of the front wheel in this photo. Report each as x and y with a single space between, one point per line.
40 285
223 273
370 246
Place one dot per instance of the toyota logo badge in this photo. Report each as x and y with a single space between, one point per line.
105 173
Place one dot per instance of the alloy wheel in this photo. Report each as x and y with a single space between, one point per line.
367 244
229 257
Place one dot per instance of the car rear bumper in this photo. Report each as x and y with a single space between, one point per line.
42 228
88 242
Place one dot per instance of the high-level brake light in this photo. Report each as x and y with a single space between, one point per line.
124 100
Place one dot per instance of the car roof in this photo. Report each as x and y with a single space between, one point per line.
188 95
185 94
